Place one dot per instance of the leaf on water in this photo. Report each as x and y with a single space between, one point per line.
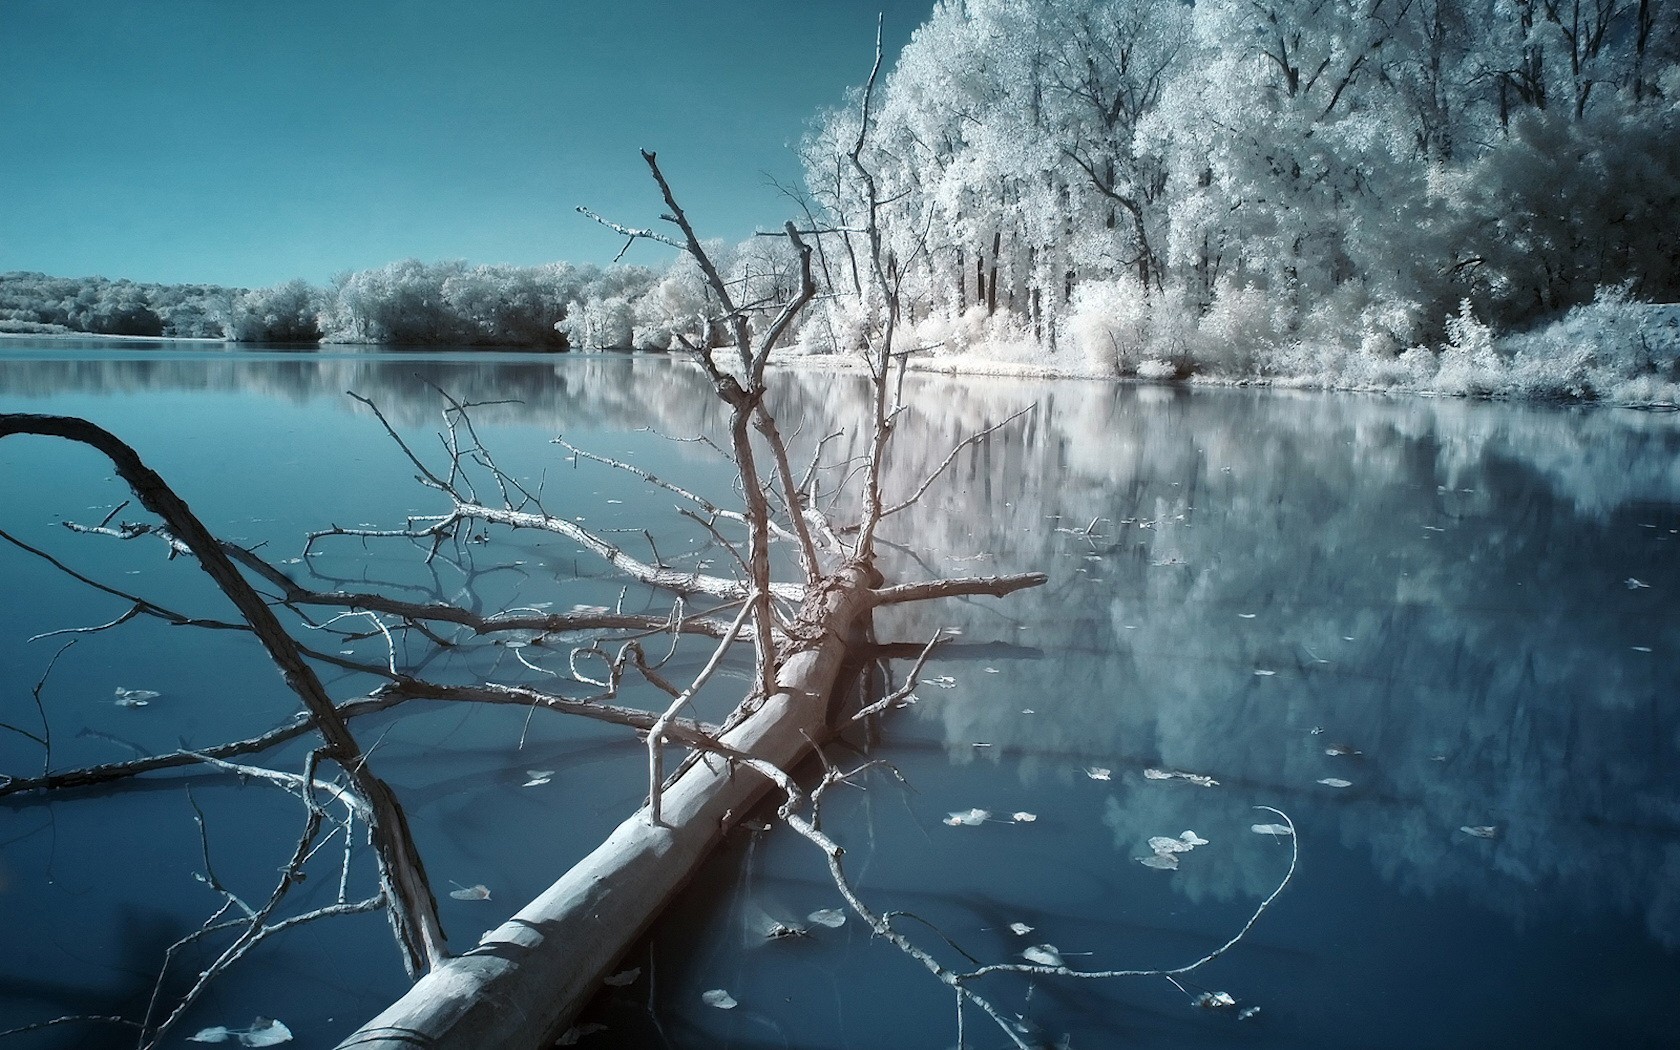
968 818
1335 782
1156 774
1215 1001
1023 817
1271 829
1163 845
1020 929
1198 779
1635 585
1481 831
1160 861
265 1032
1339 750
470 893
217 1034
1099 773
135 697
992 670
1247 1012
622 978
1190 838
1640 648
1247 616
578 1031
719 998
1030 711
944 681
1043 955
833 918
538 777
1265 674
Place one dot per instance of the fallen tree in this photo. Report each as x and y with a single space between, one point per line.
523 984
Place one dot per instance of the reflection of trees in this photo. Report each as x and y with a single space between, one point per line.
1474 554
1440 585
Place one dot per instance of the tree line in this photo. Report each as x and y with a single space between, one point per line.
1240 187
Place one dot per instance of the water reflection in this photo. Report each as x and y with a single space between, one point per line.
1476 598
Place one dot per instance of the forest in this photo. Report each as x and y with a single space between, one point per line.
1350 193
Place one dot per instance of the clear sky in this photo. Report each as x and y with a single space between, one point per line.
247 142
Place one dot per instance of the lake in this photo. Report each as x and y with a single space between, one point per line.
1464 612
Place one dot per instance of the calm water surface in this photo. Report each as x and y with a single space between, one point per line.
1473 604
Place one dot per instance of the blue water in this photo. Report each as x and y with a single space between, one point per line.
1477 598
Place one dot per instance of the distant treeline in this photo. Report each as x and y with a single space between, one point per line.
559 306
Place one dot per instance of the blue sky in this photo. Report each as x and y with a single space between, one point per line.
247 142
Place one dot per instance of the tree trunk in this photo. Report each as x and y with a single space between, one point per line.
526 981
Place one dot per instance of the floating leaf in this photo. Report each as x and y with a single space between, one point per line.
1190 838
578 1031
1163 845
1161 861
265 1032
1335 782
967 818
1020 929
1635 585
1247 616
1098 773
833 918
1271 829
1339 750
719 998
135 697
471 893
1023 817
1481 831
1215 1001
1264 673
217 1034
944 681
1640 648
1043 955
1198 779
622 978
1247 1012
538 777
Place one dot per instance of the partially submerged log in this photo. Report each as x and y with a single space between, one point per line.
526 981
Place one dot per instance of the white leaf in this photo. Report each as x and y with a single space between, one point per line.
1020 929
1098 773
1265 674
1193 839
1215 1000
470 893
217 1034
1481 831
1163 845
1043 955
719 998
1634 585
1248 1012
1157 774
1640 648
833 918
1271 829
1247 616
1163 861
265 1032
967 818
538 777
944 681
625 977
1023 817
1335 782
